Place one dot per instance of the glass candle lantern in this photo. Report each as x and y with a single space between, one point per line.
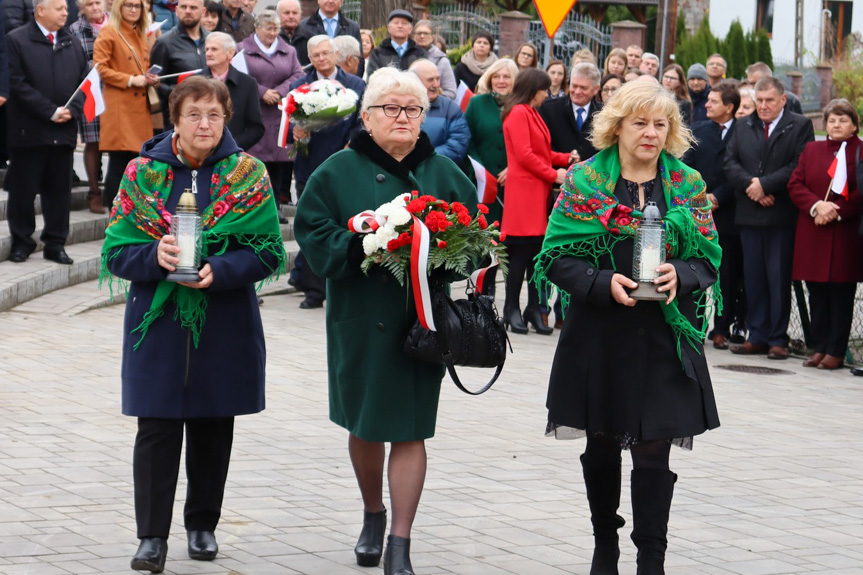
187 227
648 254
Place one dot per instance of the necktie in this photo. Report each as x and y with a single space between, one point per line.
721 128
331 27
766 130
401 50
580 119
51 38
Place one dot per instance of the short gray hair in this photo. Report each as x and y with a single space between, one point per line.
37 3
390 80
281 2
79 3
227 42
318 39
345 47
267 16
587 71
649 56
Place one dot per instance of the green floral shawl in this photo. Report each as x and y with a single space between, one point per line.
587 222
242 208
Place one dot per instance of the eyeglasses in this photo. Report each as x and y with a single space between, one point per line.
324 54
132 7
671 77
422 33
194 118
393 111
610 90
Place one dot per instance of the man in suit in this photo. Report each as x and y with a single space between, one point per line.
762 153
180 49
46 66
569 119
322 144
246 125
398 49
327 20
706 156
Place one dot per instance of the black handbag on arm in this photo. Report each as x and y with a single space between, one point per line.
469 333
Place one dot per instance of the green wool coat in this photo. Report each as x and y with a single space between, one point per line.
376 391
486 143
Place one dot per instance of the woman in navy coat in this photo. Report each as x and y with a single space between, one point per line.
193 353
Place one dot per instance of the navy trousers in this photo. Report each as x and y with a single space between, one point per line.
768 254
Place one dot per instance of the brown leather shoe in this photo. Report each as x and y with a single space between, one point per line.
720 342
558 324
777 352
749 348
814 360
831 362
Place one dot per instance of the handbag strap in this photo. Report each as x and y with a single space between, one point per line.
447 358
134 54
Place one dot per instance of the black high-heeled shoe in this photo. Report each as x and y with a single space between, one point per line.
513 321
370 545
397 561
533 316
151 555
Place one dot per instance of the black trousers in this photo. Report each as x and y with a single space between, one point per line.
117 162
47 171
731 285
768 253
521 251
315 286
831 311
281 174
156 465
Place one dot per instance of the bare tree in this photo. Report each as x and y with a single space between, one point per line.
375 13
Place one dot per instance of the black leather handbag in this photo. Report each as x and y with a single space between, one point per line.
469 333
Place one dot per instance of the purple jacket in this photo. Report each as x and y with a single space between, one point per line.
276 73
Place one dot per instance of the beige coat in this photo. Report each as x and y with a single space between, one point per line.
126 120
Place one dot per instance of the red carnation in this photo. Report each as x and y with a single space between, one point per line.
415 193
482 208
482 223
495 224
503 236
291 106
442 205
428 198
441 244
393 245
458 208
416 206
464 218
437 222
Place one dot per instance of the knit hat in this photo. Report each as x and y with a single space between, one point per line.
697 71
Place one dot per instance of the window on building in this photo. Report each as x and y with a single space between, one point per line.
837 28
764 17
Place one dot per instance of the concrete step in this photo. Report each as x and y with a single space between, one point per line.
79 201
37 278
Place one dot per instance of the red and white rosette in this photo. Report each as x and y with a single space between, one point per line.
366 222
419 273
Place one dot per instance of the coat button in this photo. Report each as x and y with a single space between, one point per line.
380 177
381 327
692 267
590 271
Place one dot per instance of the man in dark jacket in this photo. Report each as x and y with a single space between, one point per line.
18 13
327 20
569 120
706 156
758 70
322 144
45 69
180 49
246 124
289 16
762 153
236 22
398 49
697 82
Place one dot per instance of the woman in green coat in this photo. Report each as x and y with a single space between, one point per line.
376 392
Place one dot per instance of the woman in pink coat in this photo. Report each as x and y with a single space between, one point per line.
530 175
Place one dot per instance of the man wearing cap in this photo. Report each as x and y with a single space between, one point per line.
398 49
696 80
327 20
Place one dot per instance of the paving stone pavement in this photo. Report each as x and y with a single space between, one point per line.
778 489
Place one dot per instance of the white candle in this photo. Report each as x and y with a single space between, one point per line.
187 251
649 263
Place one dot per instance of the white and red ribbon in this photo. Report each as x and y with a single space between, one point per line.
284 123
478 277
366 222
419 273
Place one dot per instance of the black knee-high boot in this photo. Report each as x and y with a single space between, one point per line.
652 490
603 495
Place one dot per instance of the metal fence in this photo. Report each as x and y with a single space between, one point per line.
811 93
457 24
798 326
352 9
578 32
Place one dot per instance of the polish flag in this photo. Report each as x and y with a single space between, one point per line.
188 74
838 170
94 104
463 96
239 62
486 183
154 26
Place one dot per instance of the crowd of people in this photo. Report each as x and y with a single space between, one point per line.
579 149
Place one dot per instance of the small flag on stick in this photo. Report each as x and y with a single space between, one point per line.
486 183
838 170
463 96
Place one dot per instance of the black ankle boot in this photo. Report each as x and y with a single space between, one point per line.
652 490
397 560
533 316
512 319
603 496
370 545
202 545
151 555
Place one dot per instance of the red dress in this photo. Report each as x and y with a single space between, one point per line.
829 253
530 172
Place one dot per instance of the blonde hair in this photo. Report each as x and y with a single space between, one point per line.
115 21
483 86
635 98
389 80
618 53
